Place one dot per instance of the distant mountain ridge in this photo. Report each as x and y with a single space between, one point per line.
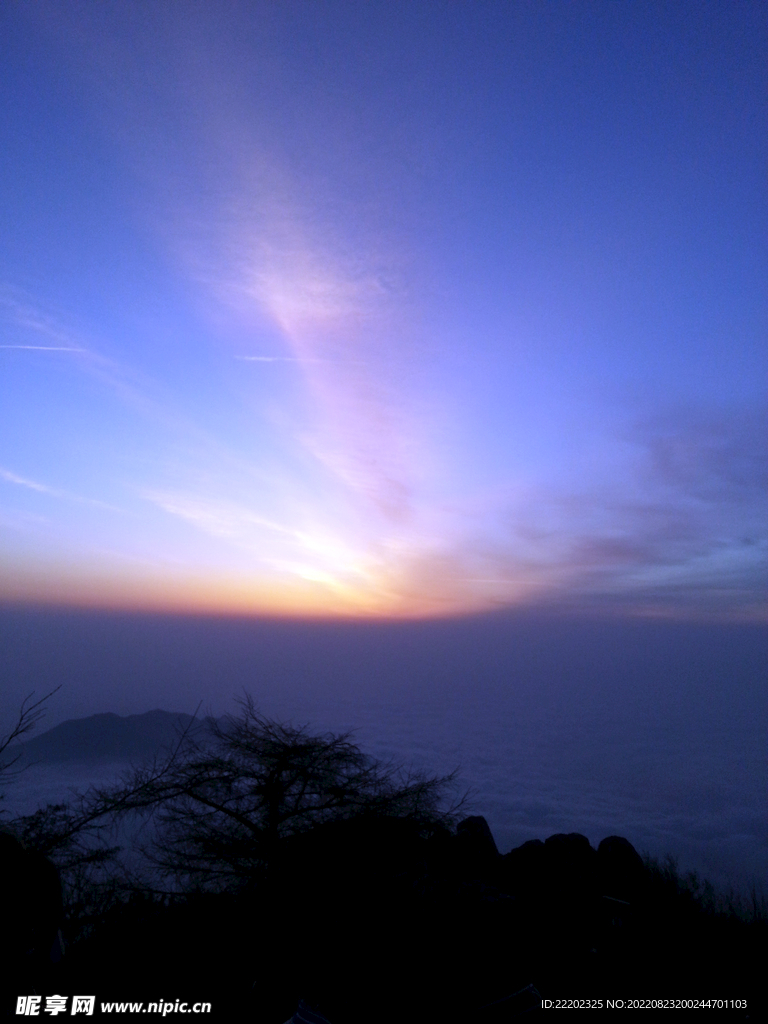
111 737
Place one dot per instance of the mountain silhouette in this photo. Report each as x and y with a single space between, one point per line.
110 737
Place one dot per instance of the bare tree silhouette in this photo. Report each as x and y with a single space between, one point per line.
30 713
222 804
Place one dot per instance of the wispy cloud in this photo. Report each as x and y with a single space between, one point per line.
33 485
22 312
271 251
45 348
342 333
216 517
268 359
280 359
684 524
682 513
133 388
54 492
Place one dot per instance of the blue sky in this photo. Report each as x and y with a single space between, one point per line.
346 308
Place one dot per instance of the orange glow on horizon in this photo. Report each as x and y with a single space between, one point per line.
221 594
187 593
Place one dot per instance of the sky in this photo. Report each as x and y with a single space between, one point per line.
385 310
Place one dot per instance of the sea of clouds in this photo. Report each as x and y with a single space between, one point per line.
656 733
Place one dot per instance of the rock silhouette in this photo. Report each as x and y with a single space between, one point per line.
402 920
620 869
32 916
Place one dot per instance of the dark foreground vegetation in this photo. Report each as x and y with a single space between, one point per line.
271 866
